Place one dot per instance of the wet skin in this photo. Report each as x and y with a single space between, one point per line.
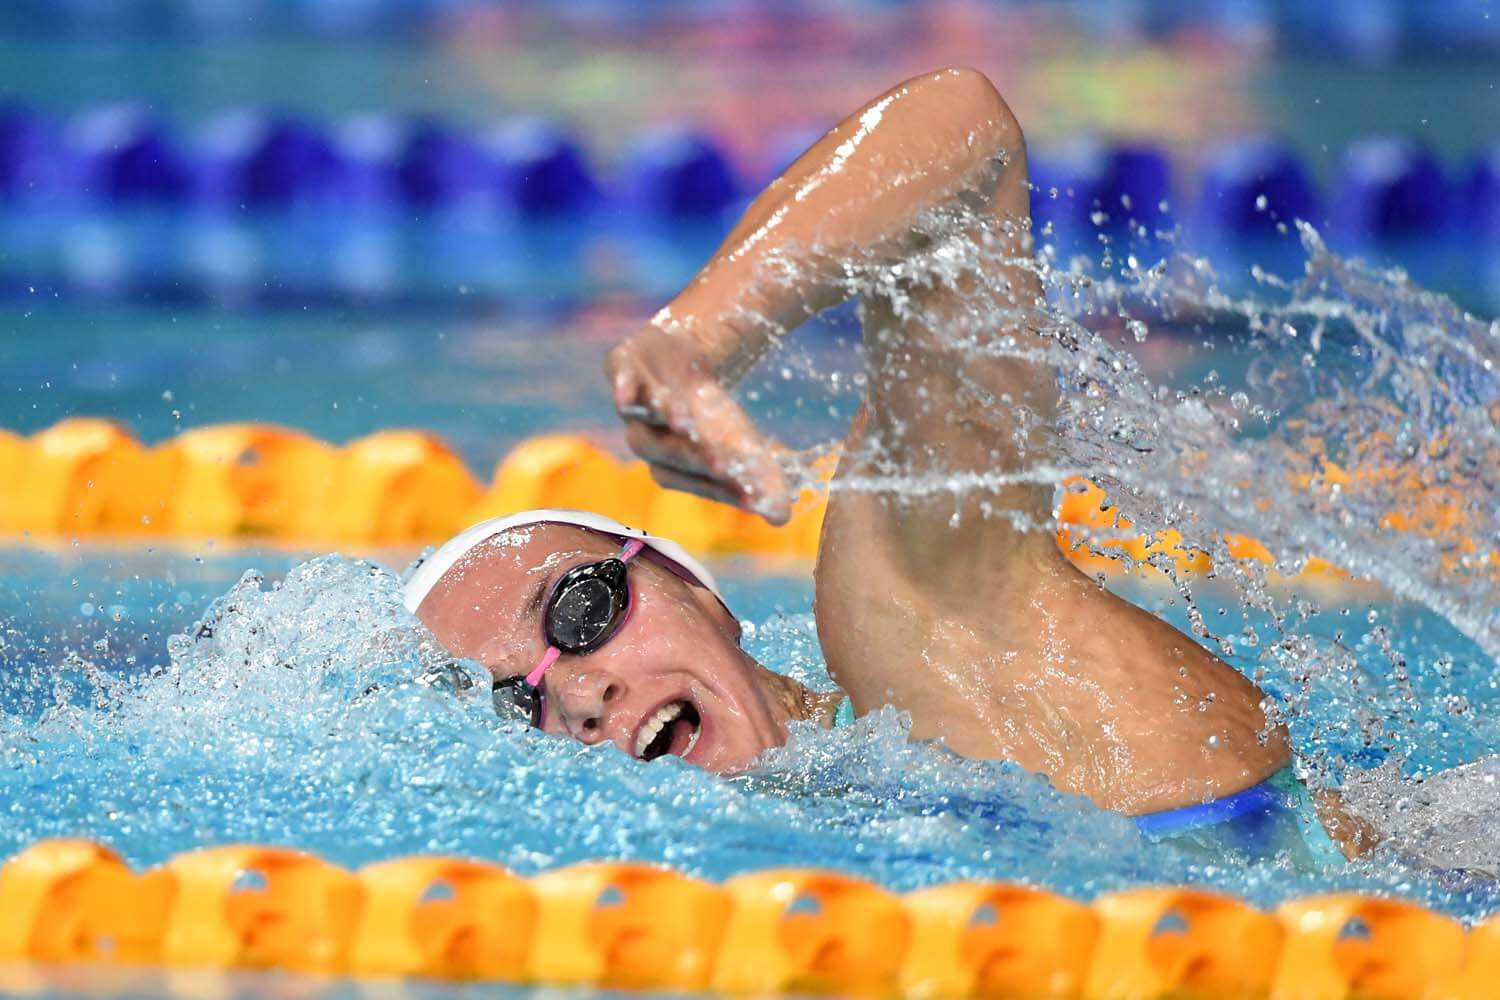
677 644
978 628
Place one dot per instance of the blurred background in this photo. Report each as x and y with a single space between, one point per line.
344 214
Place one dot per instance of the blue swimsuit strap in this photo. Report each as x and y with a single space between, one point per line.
1268 796
1256 798
844 714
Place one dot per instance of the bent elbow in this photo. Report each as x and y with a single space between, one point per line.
967 95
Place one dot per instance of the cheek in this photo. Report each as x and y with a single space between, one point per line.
659 618
665 636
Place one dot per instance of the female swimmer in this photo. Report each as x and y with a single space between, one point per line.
980 629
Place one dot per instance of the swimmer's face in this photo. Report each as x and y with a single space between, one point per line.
676 657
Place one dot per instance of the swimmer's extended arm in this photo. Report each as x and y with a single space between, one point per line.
858 192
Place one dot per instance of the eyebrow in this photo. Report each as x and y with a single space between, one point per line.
537 595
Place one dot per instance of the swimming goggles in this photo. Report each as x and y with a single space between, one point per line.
585 610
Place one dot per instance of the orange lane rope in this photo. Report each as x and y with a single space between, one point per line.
89 477
625 925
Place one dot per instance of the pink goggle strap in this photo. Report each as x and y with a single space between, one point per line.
550 657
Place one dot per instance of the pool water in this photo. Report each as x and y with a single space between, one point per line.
483 379
313 712
164 696
161 695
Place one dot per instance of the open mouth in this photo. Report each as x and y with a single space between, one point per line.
671 729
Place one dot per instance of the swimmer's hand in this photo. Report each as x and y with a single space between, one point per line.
692 433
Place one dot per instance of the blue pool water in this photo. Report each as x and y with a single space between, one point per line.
163 696
316 713
304 721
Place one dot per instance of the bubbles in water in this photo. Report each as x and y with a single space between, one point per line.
315 711
1360 430
1446 819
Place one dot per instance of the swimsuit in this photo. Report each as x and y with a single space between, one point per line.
844 714
1274 817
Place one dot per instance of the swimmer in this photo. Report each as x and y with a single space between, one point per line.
981 630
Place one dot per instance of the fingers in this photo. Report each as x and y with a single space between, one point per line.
768 496
639 412
718 490
663 447
626 379
694 435
641 400
748 477
699 434
709 489
649 375
736 450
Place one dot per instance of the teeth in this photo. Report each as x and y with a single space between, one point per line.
653 725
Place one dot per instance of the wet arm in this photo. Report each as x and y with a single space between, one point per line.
858 191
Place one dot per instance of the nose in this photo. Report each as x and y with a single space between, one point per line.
581 694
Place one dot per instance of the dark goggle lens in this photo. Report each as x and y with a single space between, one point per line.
587 607
583 612
517 701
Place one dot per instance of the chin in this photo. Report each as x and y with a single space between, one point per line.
732 763
733 756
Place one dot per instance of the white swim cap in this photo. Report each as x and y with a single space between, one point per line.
432 568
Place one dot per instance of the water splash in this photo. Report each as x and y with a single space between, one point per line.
1351 417
1366 430
1447 819
314 711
